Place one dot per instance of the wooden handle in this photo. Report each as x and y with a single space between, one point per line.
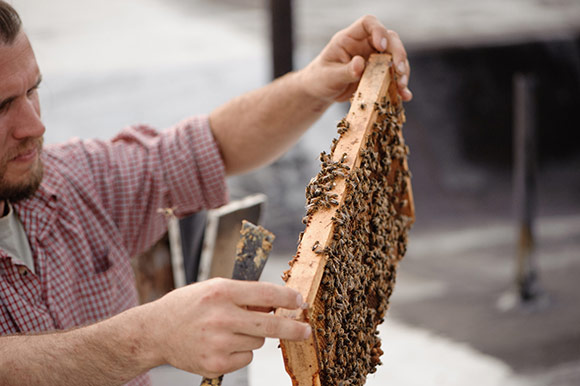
252 251
212 381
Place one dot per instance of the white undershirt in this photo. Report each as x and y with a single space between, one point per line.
13 239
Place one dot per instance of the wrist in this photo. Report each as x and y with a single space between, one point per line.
136 333
306 84
150 336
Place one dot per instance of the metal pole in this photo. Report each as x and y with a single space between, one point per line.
524 182
281 32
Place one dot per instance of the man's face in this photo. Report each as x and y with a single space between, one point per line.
21 130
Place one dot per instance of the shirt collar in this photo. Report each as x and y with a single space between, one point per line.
38 212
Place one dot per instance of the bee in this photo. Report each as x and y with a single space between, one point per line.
286 275
333 145
324 158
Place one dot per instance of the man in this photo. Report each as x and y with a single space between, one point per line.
73 214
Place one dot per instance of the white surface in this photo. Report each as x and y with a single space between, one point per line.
413 357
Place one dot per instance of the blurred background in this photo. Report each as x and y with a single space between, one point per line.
458 315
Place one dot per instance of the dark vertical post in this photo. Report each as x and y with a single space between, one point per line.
525 165
281 32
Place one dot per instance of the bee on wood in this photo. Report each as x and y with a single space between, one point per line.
286 275
333 145
316 245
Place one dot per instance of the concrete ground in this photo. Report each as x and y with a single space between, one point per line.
110 63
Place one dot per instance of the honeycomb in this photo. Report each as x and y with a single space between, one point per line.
372 213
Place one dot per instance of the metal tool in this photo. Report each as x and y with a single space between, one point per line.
251 254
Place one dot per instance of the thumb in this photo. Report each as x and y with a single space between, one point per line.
334 80
347 76
350 72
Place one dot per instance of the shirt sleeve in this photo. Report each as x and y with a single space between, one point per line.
142 170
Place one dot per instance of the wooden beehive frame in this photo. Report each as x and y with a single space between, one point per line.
377 83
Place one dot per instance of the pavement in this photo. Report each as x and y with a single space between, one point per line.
111 63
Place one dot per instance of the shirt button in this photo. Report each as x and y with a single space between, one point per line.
23 271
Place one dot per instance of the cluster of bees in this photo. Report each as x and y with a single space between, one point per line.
318 191
369 239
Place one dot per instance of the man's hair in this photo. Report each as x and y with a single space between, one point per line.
10 23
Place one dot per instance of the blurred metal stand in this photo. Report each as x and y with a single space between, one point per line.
528 293
282 39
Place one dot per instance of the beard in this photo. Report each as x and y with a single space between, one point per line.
14 192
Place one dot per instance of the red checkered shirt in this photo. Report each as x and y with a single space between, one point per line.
96 207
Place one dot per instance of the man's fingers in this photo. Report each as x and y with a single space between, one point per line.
401 64
339 67
397 49
267 295
406 94
261 309
355 68
369 26
273 326
242 342
353 47
350 75
368 33
363 37
347 74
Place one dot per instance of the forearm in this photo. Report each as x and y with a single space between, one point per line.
257 127
110 352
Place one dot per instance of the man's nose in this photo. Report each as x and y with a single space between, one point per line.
27 121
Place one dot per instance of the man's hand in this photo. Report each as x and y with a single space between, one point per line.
257 127
335 73
208 328
211 328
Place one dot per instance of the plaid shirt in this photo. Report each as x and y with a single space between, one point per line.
97 207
